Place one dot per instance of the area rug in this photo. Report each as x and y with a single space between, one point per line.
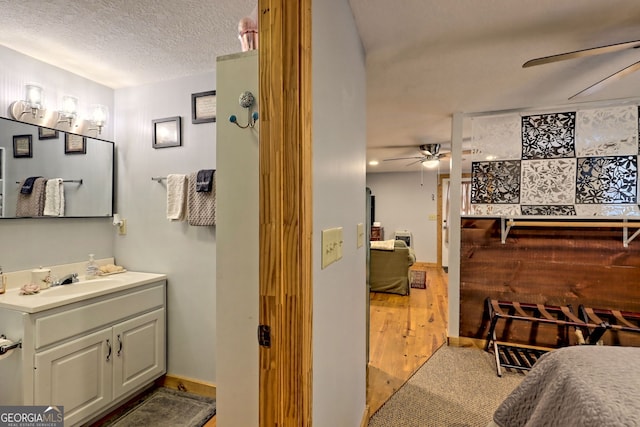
418 279
456 387
165 407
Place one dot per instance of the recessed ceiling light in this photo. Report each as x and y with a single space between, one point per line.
374 163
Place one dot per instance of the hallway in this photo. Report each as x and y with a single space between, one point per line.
404 332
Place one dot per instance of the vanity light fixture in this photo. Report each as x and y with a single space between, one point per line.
69 110
99 116
31 104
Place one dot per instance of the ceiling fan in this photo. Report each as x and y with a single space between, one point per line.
616 47
430 156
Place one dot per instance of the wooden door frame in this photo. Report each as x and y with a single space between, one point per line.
285 270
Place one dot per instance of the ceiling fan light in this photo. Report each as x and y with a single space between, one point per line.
431 164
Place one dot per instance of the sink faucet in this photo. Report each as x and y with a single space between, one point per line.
66 280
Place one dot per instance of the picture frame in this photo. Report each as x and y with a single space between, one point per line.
46 133
75 144
203 107
167 132
22 146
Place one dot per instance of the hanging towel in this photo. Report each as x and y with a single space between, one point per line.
54 197
204 180
27 185
176 197
32 204
201 206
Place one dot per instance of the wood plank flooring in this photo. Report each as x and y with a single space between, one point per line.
405 331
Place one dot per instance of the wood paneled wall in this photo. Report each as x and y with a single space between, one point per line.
555 266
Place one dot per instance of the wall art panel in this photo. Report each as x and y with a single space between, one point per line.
548 182
608 210
558 210
607 180
496 138
495 182
548 136
607 131
495 210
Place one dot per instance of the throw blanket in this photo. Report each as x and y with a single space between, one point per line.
201 206
54 197
32 204
385 245
577 386
176 197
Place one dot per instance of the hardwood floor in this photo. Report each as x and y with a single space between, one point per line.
404 332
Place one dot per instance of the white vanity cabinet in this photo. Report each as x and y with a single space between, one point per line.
91 355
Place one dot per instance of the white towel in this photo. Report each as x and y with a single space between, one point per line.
176 197
54 197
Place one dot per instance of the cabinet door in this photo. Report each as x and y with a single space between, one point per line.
76 375
139 351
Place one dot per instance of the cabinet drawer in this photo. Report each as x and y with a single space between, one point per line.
68 323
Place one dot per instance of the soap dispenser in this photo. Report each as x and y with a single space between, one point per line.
92 268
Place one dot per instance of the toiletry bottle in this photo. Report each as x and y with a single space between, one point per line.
92 268
3 282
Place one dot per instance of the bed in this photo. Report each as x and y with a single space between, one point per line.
577 386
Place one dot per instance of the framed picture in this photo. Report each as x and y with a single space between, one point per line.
203 107
46 133
22 146
75 144
167 132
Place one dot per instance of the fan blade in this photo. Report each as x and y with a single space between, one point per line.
607 80
582 53
403 158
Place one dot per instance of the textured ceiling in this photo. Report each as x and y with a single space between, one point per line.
124 42
425 58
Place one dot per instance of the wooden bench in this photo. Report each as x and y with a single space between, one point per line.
517 356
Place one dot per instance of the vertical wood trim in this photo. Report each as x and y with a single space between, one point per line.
285 211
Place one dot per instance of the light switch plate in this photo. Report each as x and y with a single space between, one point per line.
338 240
326 248
360 234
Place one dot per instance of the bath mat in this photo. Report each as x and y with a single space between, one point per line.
166 407
418 279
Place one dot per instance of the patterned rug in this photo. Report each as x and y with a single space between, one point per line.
455 387
163 407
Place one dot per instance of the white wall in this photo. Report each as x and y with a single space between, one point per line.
186 254
403 203
28 243
339 291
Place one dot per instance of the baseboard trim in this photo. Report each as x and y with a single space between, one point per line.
189 385
365 417
466 342
420 264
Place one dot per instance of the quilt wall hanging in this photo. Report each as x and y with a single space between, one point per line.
580 163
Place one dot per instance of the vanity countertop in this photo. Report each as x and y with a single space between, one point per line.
80 291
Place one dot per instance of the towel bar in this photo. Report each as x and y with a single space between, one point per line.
77 181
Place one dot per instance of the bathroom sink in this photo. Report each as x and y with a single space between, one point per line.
80 287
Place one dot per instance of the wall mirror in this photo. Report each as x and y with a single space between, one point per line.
84 164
